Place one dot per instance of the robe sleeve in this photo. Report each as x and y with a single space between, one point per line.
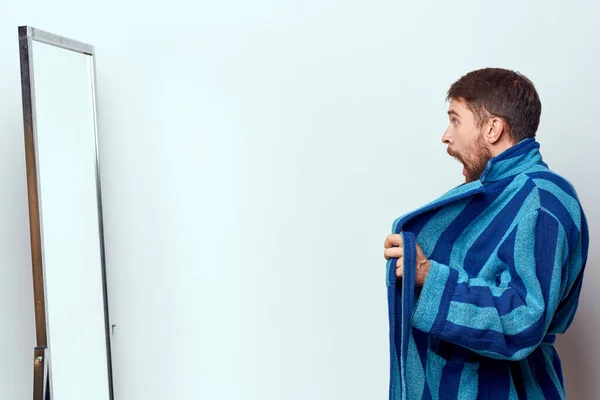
504 319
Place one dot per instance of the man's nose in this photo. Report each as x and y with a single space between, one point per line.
447 137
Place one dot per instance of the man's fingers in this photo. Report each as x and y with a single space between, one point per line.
393 240
394 252
399 268
394 249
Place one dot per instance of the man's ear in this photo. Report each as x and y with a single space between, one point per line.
496 127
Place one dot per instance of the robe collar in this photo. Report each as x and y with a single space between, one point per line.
513 161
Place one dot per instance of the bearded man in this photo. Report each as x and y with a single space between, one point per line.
481 280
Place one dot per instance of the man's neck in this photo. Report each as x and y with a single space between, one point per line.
500 147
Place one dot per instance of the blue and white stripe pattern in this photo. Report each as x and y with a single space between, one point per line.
507 256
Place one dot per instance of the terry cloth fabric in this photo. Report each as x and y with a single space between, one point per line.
507 257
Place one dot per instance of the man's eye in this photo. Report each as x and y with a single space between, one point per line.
454 121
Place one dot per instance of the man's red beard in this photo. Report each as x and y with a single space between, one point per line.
474 160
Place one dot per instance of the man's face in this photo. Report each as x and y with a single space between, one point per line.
466 141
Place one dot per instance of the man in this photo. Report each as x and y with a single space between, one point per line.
494 267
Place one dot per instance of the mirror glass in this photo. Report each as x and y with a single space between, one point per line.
63 102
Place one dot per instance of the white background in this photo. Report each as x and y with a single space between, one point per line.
254 157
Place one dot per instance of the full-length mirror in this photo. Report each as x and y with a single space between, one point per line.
72 358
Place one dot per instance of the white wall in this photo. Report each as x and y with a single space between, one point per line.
254 157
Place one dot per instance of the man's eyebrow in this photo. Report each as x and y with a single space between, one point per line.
452 112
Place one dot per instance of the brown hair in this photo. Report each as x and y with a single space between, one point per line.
496 92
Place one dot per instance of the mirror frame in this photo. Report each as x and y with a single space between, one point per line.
42 389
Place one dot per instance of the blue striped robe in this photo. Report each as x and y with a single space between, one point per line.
507 257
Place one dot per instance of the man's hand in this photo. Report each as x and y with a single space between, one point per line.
394 249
